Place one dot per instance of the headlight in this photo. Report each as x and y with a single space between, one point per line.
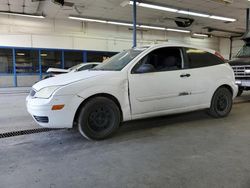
46 92
238 82
247 71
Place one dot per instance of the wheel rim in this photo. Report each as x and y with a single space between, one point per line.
100 119
222 103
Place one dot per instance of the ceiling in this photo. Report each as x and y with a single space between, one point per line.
112 9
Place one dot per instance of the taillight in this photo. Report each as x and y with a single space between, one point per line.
219 55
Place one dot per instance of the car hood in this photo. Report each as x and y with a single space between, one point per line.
68 78
240 61
57 70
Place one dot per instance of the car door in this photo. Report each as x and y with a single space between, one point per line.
158 83
204 74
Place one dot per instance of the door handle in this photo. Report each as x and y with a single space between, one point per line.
184 93
185 75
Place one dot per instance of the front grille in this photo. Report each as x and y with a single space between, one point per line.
32 92
240 71
42 119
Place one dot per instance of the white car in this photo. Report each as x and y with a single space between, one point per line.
80 67
136 83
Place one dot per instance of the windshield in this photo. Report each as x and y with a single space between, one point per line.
119 61
244 51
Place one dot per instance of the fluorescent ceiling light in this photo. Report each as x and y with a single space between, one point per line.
100 21
20 14
152 27
87 19
131 2
200 35
168 9
44 55
178 30
120 23
146 5
127 24
222 18
193 13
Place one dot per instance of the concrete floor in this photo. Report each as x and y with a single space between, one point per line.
13 113
182 151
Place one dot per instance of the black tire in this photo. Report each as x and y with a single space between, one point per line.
99 118
239 92
221 103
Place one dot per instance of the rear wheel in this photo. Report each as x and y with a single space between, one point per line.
99 118
221 104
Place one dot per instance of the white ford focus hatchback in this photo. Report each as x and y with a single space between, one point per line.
136 83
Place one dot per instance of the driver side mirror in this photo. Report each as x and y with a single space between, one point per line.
145 68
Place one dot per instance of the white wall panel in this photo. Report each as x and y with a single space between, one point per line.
6 81
90 43
152 35
67 26
71 34
27 80
15 40
41 41
225 47
4 29
119 45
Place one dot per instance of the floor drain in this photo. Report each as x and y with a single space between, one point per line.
24 132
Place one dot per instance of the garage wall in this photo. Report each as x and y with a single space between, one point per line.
70 34
225 47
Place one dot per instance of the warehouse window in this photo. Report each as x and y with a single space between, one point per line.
99 56
72 58
6 63
51 58
27 61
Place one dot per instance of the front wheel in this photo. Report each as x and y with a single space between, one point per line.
221 103
99 118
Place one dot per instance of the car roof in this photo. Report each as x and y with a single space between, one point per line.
175 44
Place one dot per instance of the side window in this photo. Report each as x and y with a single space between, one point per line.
199 58
162 59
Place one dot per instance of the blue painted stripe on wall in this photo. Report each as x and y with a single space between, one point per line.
14 67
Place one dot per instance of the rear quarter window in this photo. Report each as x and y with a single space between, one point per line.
199 58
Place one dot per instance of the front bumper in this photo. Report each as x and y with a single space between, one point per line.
42 113
242 83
